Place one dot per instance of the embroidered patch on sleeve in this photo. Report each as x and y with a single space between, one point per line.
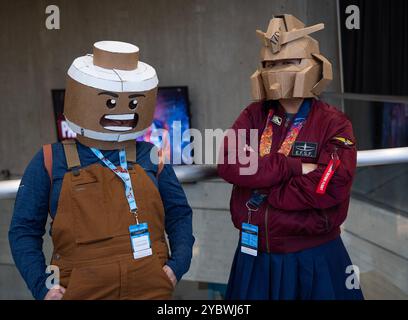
345 141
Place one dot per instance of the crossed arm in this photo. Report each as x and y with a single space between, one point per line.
290 184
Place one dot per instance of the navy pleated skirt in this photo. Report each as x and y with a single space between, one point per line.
313 274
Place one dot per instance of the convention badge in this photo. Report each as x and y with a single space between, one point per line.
140 239
249 239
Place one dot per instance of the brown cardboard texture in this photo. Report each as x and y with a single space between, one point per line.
115 60
291 63
88 107
106 105
257 86
327 75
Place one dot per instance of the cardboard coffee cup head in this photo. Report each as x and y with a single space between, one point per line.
291 63
110 95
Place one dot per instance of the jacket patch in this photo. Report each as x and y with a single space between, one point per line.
277 120
304 149
345 141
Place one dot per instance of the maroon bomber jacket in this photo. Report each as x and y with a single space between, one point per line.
294 216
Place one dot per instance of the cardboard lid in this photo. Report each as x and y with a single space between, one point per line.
115 55
114 66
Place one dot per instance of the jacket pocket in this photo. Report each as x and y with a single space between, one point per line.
158 263
94 282
90 212
303 223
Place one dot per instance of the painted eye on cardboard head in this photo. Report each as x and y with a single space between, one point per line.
133 104
111 103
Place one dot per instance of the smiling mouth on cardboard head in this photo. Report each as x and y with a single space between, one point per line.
119 122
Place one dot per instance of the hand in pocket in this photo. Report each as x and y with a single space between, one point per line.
55 293
170 274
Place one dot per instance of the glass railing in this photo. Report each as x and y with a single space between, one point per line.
379 122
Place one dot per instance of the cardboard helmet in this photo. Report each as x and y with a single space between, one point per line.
291 63
110 94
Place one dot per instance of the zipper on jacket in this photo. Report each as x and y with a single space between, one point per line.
266 229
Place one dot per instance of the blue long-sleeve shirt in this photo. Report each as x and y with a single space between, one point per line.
34 200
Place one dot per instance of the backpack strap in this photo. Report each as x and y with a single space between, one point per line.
71 154
131 153
47 153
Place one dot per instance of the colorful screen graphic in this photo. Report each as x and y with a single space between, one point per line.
171 121
169 128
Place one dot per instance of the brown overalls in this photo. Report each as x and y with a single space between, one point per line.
91 237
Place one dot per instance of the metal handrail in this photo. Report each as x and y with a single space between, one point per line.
8 189
195 173
382 157
366 97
